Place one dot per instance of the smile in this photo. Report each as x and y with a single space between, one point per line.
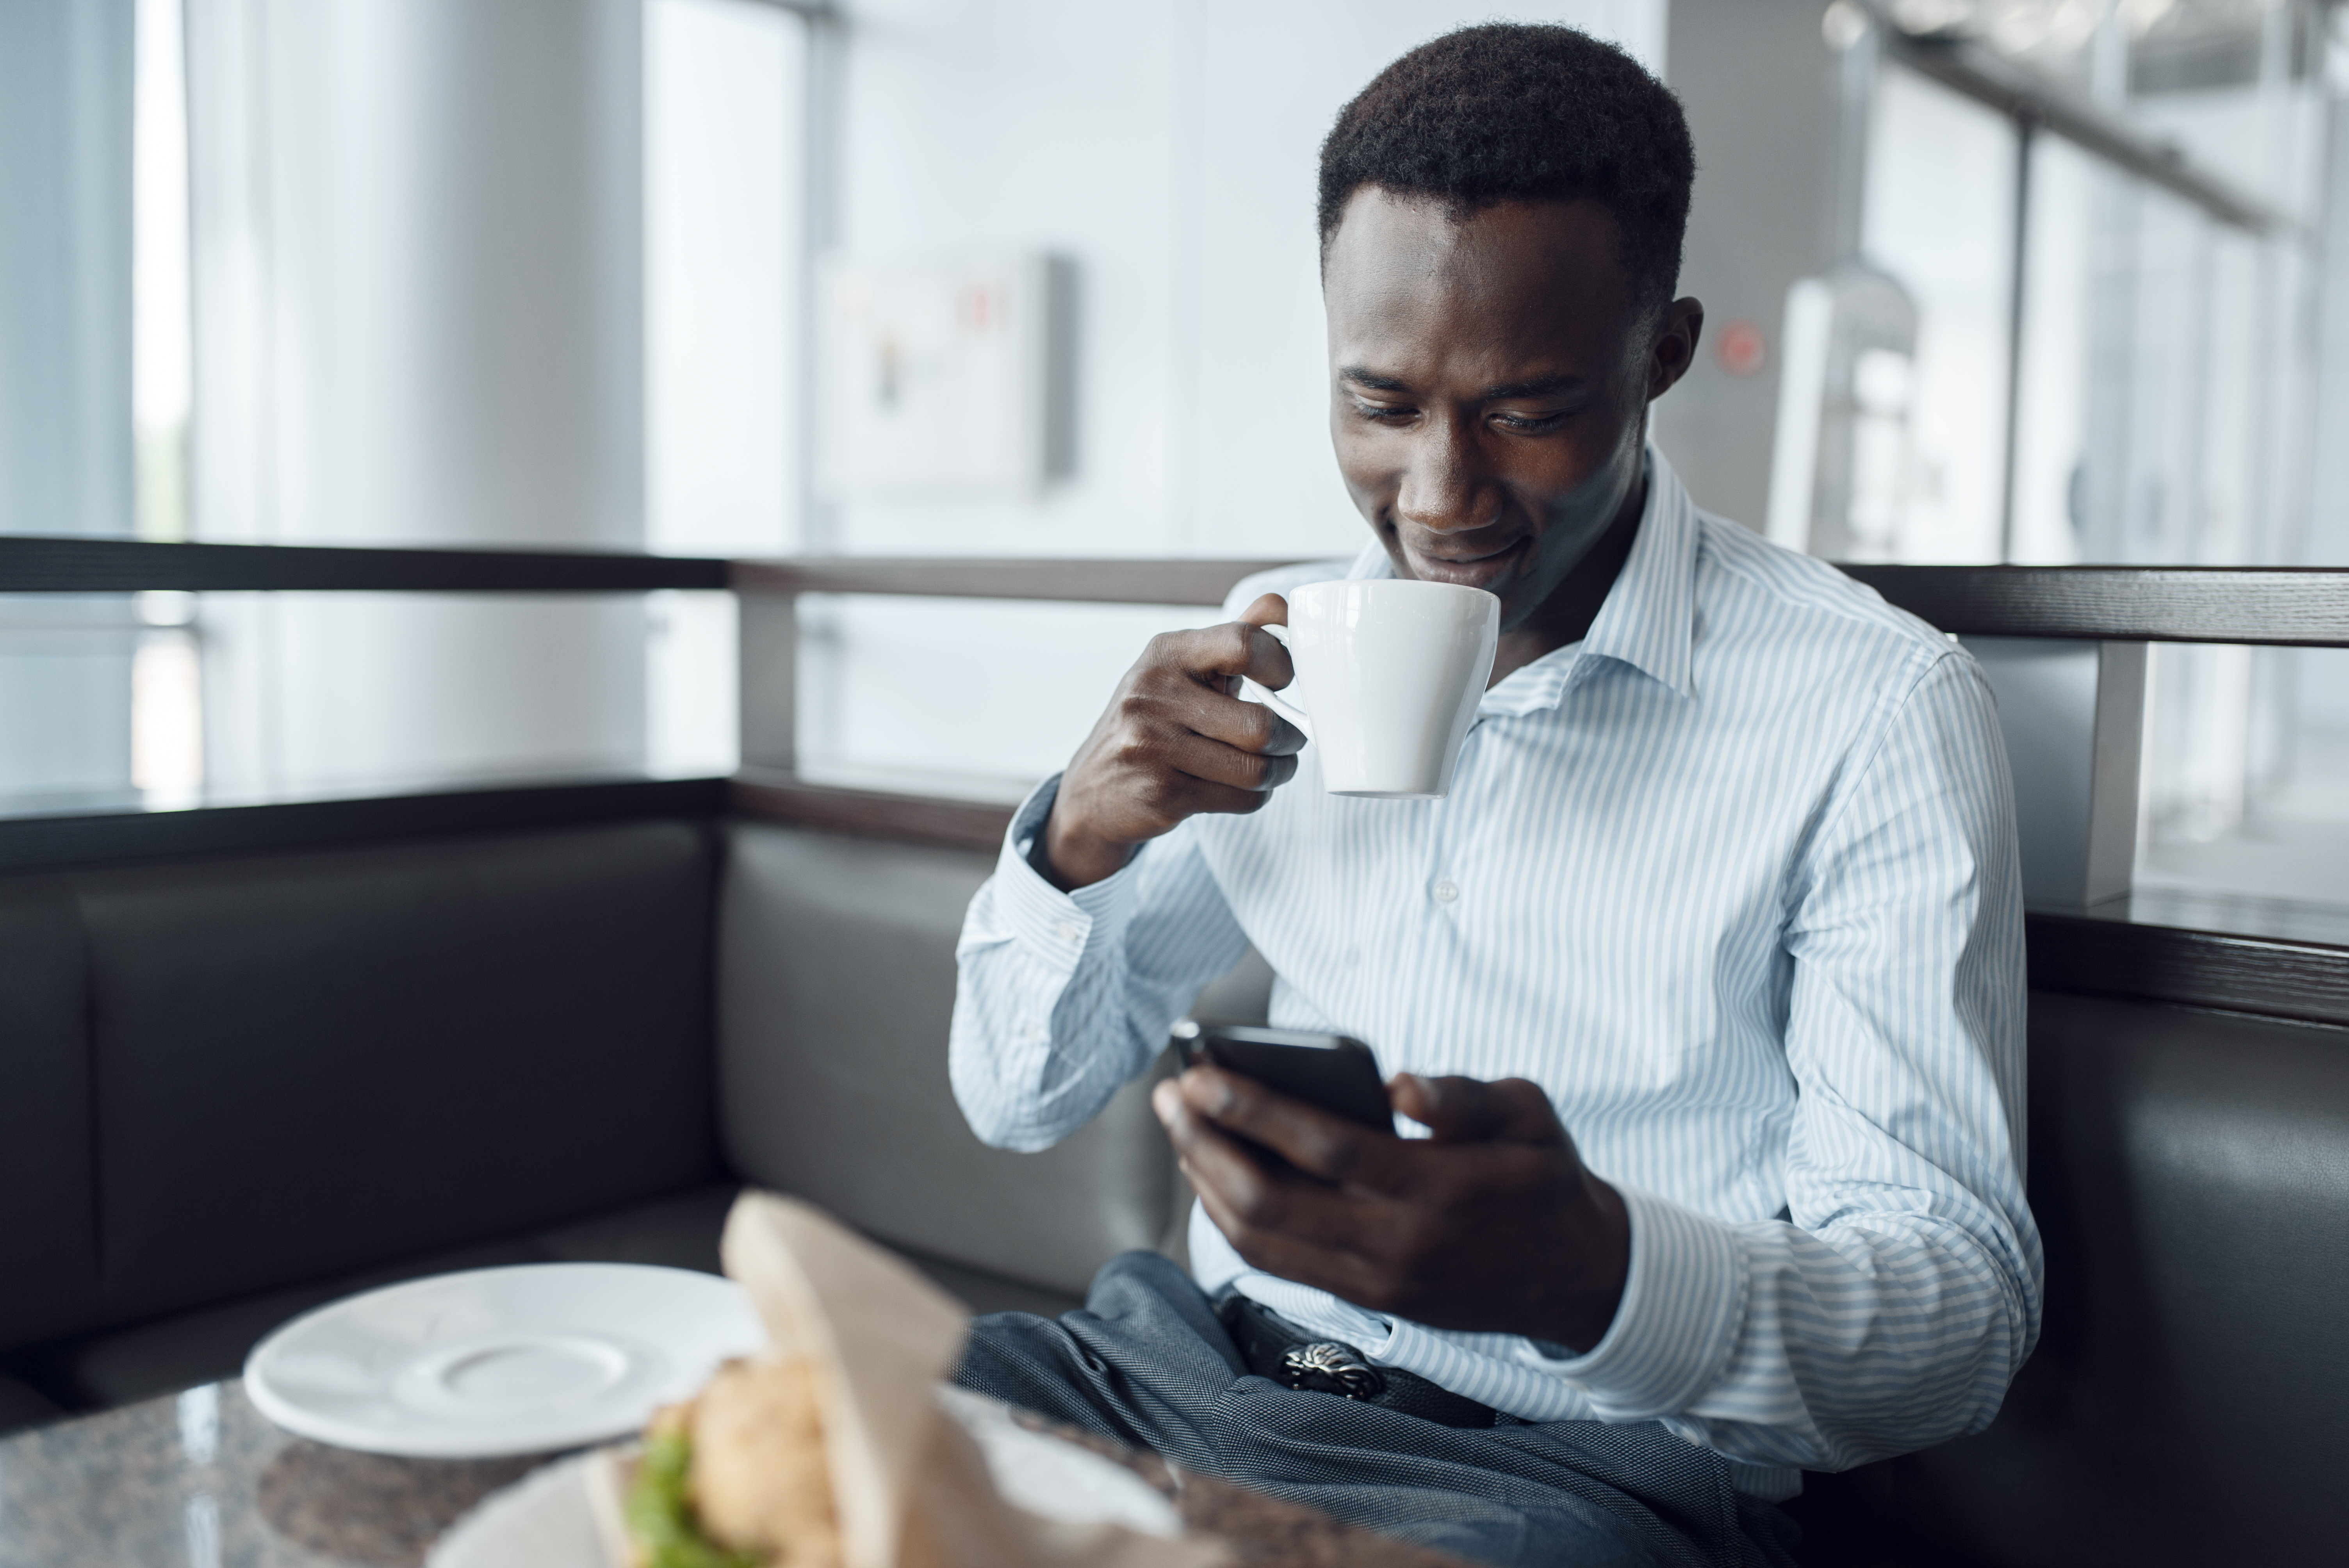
1469 572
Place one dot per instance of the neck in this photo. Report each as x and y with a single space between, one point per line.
1566 616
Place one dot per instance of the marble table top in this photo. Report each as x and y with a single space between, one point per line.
201 1479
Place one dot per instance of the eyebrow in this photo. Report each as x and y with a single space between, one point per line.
1540 386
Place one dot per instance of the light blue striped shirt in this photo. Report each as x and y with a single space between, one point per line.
1733 879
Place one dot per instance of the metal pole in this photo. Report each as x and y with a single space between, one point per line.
820 166
2025 133
1856 98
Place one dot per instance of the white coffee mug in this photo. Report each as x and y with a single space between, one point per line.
1389 672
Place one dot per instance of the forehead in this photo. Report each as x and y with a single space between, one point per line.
1504 286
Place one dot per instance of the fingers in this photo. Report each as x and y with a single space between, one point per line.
1469 1110
1276 1219
1244 1182
1250 726
1188 680
1216 761
1236 648
1318 1142
1342 1272
1174 741
1192 773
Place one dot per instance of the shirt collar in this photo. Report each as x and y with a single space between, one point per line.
1647 620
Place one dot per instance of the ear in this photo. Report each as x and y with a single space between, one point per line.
1671 345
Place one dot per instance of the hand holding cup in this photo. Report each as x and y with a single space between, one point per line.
1174 741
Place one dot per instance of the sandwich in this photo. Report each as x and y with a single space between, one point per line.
736 1476
829 1448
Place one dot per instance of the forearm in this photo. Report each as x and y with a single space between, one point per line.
1027 1061
1064 998
1860 1342
1892 1307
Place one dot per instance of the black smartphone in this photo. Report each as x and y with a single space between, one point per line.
1332 1071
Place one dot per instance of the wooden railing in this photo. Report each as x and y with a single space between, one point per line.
2247 955
2244 954
2305 608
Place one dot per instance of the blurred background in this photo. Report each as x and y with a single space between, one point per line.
2034 280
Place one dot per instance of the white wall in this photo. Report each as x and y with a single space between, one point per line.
724 112
724 115
1169 148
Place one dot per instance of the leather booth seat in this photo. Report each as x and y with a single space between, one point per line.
233 1089
836 987
234 1086
2188 1401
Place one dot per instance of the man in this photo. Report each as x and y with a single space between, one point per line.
1706 979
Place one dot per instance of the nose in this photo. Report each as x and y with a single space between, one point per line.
1445 489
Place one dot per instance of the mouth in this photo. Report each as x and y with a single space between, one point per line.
1469 570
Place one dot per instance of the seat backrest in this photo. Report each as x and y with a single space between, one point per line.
48 1197
299 1063
2189 1398
836 987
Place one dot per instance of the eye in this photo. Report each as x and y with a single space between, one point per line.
1529 424
1382 413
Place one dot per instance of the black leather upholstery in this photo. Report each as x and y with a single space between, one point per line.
229 1075
837 985
253 1085
306 1063
48 1225
22 1407
102 1371
232 1088
2189 1398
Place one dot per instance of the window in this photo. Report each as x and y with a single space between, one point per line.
2169 404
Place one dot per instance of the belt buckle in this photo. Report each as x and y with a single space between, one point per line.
1326 1366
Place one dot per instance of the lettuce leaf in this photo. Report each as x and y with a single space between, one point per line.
659 1517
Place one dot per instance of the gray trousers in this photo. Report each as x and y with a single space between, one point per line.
1146 1362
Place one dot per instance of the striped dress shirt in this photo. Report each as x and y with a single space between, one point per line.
1733 880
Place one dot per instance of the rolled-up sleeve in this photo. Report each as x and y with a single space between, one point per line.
1065 997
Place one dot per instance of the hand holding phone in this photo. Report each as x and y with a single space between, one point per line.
1335 1072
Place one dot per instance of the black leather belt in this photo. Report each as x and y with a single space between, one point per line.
1277 1348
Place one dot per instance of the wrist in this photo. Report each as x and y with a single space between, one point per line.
1069 858
1593 1290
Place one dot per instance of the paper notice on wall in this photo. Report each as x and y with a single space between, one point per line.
936 378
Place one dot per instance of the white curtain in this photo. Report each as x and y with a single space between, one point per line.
416 246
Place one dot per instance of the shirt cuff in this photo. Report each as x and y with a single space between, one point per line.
1684 1297
1056 928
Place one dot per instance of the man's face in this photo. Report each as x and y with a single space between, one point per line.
1489 381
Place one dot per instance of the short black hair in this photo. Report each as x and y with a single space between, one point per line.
1513 111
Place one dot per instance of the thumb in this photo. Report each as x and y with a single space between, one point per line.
1470 1110
1269 609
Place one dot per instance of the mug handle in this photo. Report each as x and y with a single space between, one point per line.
1281 702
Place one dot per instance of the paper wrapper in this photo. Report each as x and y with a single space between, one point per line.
910 1488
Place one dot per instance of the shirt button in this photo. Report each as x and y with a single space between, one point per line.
1068 932
1445 893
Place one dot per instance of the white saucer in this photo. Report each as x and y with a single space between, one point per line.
500 1361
